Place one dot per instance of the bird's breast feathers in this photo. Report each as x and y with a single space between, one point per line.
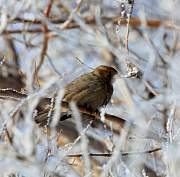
91 92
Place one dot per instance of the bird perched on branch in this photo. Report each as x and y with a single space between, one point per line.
91 91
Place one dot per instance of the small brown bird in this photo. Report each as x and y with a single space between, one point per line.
91 91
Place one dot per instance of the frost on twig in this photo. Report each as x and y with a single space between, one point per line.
52 36
132 71
1 62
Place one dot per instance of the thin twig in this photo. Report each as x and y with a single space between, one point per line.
148 86
9 139
49 8
117 28
35 73
20 71
1 62
122 154
128 25
12 94
53 66
44 48
110 144
22 74
66 24
76 141
84 63
45 39
117 31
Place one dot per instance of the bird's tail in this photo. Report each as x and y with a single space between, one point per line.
48 113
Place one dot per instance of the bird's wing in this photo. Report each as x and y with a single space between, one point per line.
108 95
87 91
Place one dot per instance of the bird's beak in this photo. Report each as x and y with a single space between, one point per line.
116 76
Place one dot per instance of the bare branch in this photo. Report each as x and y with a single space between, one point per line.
84 63
135 129
122 154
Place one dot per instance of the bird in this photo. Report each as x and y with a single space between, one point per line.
91 91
